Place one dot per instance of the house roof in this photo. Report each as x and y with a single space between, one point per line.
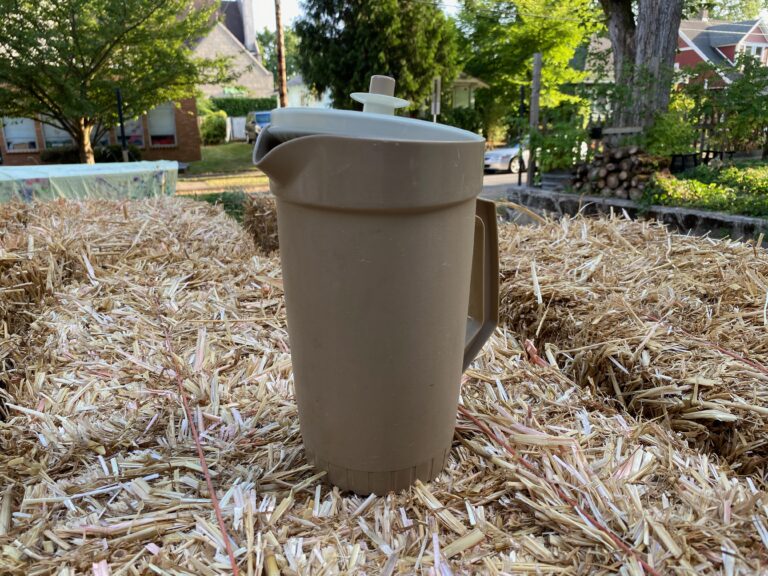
232 18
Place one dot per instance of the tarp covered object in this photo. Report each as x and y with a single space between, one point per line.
84 181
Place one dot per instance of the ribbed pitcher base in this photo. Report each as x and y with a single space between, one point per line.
365 482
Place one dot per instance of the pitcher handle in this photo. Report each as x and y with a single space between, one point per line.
483 315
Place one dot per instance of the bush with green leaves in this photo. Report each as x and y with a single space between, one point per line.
463 117
673 132
241 106
213 129
101 154
733 189
562 137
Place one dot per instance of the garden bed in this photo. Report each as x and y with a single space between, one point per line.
739 189
167 303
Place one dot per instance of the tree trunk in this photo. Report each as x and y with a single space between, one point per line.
658 22
621 29
83 142
644 56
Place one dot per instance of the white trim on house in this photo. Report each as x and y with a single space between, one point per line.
701 54
724 55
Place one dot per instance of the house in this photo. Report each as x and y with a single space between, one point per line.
170 131
234 36
719 42
462 93
167 132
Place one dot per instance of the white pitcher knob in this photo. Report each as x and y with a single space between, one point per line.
380 98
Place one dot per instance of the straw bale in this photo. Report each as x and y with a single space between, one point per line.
101 474
674 327
260 220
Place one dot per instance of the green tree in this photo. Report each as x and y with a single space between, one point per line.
501 36
733 10
267 41
345 42
61 60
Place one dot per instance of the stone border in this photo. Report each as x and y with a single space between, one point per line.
718 224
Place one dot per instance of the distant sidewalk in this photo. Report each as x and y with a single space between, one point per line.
250 182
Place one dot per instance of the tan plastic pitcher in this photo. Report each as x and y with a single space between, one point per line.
390 268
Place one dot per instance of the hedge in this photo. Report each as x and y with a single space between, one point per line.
71 155
241 106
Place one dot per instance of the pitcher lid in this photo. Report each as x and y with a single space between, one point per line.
377 120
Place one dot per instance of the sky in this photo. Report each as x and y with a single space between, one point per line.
265 12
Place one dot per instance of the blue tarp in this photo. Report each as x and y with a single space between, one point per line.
87 181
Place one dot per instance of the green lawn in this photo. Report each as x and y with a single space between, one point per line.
224 158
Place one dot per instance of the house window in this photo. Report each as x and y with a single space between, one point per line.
134 132
162 125
19 134
55 136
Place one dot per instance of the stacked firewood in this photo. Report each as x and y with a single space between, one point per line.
622 172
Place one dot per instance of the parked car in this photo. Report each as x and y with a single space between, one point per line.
254 122
509 159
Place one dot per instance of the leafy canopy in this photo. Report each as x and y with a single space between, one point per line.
63 59
501 36
267 40
345 42
733 10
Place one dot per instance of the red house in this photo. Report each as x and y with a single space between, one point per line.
719 42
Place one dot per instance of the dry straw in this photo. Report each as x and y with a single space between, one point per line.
121 310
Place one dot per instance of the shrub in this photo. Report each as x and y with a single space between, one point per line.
114 153
241 106
71 155
560 146
464 118
61 155
732 189
672 132
214 128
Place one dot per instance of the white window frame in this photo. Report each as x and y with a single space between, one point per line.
172 109
43 127
5 138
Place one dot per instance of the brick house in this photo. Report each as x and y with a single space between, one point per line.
720 42
169 131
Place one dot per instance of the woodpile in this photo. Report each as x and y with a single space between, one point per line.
621 172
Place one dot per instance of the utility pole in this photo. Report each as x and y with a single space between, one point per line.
281 81
123 142
534 118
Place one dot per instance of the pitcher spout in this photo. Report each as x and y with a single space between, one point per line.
274 156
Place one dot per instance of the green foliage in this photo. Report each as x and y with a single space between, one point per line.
500 37
732 10
213 130
673 131
232 202
742 103
560 141
241 106
65 58
464 118
732 189
71 155
267 40
345 42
